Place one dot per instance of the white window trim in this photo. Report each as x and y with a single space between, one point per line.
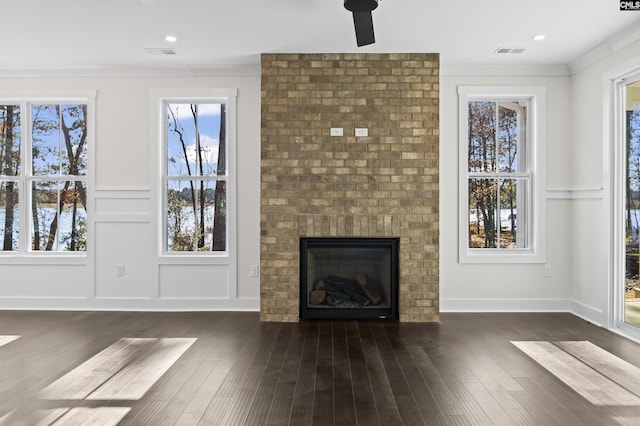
159 97
535 253
614 173
22 98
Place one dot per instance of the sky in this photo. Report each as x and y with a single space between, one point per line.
209 127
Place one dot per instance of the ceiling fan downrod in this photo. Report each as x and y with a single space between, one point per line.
362 19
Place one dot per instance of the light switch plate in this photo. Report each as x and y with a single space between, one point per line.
336 131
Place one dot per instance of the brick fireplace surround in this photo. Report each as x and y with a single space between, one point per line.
317 185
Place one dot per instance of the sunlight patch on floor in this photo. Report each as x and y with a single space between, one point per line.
7 339
117 376
103 416
125 370
626 421
597 375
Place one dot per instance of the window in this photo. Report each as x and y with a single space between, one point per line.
44 163
501 181
196 139
624 131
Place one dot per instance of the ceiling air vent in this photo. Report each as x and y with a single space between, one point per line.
159 51
503 50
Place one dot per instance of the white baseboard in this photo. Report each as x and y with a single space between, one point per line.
505 305
122 304
585 312
589 313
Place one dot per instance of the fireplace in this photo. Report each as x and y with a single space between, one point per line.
385 185
349 278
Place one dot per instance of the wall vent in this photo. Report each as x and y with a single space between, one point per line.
159 51
503 50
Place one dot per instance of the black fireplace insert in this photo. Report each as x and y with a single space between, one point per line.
349 278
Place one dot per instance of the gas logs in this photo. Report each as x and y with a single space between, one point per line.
339 291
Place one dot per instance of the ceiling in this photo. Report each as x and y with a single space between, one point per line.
71 36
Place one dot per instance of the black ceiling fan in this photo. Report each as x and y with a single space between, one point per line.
362 19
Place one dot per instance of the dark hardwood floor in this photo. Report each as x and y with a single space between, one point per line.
143 369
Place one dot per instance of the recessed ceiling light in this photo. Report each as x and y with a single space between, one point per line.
538 37
171 38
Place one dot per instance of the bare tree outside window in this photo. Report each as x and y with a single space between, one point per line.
632 207
59 167
195 177
55 182
9 167
497 186
502 180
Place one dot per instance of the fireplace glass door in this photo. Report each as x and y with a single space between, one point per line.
349 278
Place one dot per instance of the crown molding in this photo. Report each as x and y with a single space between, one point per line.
616 42
462 70
242 70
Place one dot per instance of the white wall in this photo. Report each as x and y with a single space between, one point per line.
577 229
508 287
124 213
591 290
578 203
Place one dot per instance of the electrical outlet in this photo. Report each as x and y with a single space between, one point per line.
547 271
120 270
253 270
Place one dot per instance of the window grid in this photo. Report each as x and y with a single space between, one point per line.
208 231
500 187
496 171
40 226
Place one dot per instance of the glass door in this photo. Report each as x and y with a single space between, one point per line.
631 136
